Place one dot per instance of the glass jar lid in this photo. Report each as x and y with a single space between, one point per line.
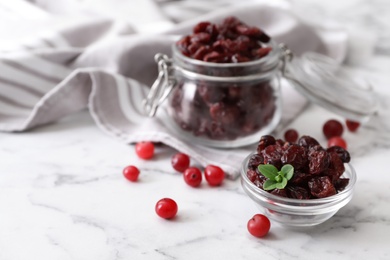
326 83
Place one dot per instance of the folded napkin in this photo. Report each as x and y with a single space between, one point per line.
105 63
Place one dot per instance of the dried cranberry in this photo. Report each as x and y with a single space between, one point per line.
224 114
210 94
297 192
307 141
299 178
265 141
214 57
255 161
281 143
341 183
233 40
201 37
194 47
256 178
261 52
321 187
236 58
336 164
341 152
201 27
201 52
272 155
279 192
296 156
318 160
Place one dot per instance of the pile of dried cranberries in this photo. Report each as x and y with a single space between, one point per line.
232 41
224 110
317 171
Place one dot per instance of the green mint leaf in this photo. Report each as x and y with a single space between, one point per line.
279 178
268 170
288 171
281 185
269 185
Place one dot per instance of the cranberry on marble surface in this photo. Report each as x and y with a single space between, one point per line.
131 173
192 176
214 175
332 128
352 125
337 141
166 208
180 162
259 225
144 150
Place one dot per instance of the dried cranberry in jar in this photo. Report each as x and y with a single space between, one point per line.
218 109
230 41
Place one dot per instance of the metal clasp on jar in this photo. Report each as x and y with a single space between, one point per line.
162 87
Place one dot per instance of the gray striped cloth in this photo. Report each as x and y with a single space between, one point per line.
58 61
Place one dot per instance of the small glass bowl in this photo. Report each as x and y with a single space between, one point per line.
298 213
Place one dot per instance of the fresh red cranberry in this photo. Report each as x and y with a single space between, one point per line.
192 176
214 175
337 141
352 125
144 150
180 162
259 225
131 173
291 135
332 128
166 208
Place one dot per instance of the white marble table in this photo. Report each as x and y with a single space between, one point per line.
63 196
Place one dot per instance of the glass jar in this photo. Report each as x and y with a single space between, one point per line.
222 104
234 104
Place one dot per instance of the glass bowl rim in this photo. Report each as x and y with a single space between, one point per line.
308 202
